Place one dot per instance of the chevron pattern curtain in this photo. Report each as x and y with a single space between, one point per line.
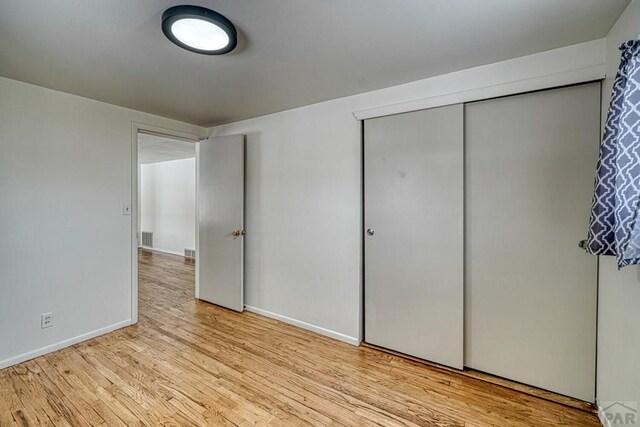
614 225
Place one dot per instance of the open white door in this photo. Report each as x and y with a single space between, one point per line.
220 242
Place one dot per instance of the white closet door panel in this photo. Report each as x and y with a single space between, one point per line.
414 259
530 292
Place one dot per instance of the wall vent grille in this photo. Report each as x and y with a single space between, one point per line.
190 253
147 239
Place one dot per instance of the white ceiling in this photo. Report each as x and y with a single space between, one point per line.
154 149
291 52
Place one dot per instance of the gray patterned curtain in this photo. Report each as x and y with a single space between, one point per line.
614 226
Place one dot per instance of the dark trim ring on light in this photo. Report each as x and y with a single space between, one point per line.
179 13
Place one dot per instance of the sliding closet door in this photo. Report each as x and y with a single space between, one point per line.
530 291
413 176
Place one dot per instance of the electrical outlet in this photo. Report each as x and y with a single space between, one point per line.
46 320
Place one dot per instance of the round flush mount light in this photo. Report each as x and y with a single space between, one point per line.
199 30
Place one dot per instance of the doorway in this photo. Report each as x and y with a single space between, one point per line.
187 209
166 217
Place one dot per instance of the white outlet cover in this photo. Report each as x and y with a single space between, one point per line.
46 320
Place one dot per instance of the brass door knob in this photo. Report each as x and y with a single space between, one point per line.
237 233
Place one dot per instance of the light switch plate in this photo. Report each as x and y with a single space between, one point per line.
126 209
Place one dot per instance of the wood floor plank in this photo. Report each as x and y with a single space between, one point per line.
192 363
80 389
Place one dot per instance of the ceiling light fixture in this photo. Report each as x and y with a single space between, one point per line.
199 30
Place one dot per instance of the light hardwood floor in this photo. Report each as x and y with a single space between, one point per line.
191 363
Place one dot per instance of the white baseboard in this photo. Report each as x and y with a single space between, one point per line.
601 415
165 251
304 325
62 344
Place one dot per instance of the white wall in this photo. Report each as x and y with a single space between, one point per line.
619 291
303 212
65 247
70 157
168 204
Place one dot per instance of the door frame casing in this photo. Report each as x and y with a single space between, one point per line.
137 128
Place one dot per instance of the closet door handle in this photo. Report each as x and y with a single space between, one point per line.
370 232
